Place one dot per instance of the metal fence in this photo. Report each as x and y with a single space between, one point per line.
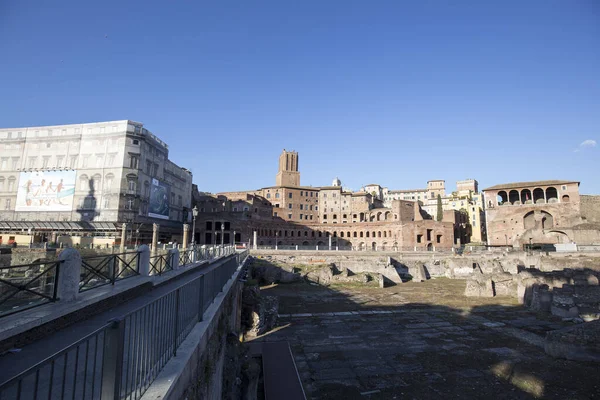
122 359
107 269
26 286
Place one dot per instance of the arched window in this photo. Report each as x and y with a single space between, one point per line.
367 233
334 216
566 198
361 234
529 220
526 196
268 195
551 195
378 234
345 216
384 234
320 234
538 196
514 198
348 235
547 220
276 195
502 198
342 234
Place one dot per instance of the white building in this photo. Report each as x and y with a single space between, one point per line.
90 177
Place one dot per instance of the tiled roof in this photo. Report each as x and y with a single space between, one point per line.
515 185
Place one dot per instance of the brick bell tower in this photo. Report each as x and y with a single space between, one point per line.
288 174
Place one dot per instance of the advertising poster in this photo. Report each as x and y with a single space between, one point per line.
159 200
46 191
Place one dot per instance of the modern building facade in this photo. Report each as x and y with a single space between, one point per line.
90 178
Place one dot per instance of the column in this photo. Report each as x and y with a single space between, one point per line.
255 237
186 233
123 237
155 228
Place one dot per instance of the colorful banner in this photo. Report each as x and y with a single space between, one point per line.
46 191
159 200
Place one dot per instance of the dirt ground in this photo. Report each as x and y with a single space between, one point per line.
422 340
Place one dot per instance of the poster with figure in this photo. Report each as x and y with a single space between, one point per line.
46 191
159 200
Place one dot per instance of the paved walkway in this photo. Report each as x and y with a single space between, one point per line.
421 351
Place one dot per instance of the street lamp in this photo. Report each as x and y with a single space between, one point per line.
195 214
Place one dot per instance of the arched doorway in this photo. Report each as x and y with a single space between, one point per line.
374 246
429 247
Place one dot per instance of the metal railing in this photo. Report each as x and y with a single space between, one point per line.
26 286
160 263
187 257
121 359
107 269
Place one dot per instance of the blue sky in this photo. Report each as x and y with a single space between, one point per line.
390 92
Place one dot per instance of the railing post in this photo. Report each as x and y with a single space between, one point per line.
70 274
175 325
143 260
112 365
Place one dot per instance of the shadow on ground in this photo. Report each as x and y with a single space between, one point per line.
421 341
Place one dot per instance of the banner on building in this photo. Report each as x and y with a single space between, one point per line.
159 200
46 191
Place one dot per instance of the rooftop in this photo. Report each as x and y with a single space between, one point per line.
515 185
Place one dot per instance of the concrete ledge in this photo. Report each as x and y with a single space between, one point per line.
177 374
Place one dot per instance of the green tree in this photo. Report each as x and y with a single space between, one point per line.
440 212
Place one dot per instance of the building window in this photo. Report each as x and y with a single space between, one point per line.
85 161
1 184
311 193
135 141
276 195
419 238
301 193
268 195
133 162
290 217
301 206
32 162
73 162
300 216
290 206
7 204
275 214
290 195
131 185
